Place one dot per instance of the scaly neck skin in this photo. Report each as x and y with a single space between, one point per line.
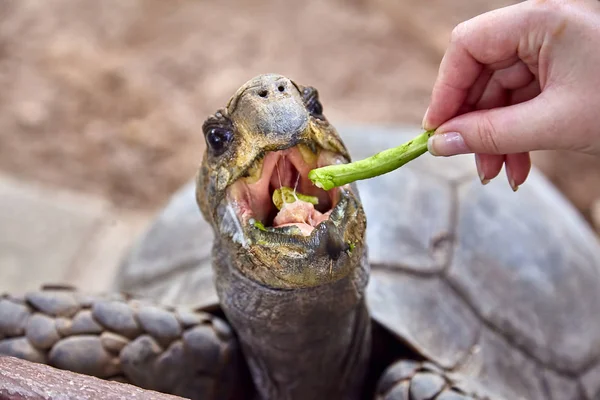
304 344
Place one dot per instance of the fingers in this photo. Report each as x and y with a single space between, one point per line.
488 166
500 88
517 168
479 87
476 44
533 125
514 77
502 84
495 95
525 93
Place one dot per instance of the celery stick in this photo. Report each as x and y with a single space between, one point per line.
381 163
286 195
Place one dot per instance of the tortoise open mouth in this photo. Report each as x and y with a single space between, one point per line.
284 173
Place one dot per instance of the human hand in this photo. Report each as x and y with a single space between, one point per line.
521 78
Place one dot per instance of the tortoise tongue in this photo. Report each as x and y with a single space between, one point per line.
302 214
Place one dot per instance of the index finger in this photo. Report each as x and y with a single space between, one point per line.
491 40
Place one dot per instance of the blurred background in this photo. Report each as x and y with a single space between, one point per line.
101 106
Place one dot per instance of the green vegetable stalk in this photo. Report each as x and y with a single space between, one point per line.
381 163
286 195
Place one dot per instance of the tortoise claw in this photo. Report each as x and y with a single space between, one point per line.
173 350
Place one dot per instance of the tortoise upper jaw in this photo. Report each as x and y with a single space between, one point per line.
270 106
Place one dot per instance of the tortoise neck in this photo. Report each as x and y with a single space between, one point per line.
304 344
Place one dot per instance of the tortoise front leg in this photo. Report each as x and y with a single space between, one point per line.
172 350
414 380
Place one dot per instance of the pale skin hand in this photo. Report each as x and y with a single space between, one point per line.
518 79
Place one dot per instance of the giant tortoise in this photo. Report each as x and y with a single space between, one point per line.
466 292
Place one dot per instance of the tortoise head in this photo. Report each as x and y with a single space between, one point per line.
270 135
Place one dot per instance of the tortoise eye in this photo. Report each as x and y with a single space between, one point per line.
218 139
313 105
218 133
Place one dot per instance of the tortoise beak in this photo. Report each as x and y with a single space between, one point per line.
273 107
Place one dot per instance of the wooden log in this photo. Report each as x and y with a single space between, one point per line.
24 380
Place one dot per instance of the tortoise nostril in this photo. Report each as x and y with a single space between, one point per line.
263 93
281 88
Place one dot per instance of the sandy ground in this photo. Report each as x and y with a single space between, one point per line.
108 96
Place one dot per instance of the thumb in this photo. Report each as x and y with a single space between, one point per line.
536 124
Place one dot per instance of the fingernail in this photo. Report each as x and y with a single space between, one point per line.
425 119
447 144
480 171
511 180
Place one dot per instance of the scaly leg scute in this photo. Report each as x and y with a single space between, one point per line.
414 380
172 350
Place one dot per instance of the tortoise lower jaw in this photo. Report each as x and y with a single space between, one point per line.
325 238
284 256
